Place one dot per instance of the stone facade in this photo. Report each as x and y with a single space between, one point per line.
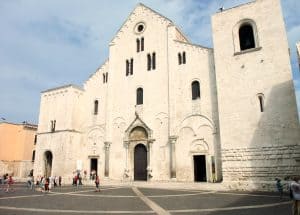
200 117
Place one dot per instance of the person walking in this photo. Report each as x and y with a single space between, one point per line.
97 182
295 191
10 182
59 181
279 187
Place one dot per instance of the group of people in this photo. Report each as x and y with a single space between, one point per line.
46 184
8 181
77 179
294 192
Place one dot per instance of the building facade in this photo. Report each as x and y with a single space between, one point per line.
162 108
17 148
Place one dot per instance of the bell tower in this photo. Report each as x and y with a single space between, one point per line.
259 124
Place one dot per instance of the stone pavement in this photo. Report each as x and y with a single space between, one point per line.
140 198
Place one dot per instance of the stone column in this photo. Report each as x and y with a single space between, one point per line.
172 140
149 153
106 169
126 170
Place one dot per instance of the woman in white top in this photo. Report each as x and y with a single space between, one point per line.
295 188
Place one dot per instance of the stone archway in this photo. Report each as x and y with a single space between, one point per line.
48 158
138 143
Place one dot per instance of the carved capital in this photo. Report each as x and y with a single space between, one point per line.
173 139
150 141
107 145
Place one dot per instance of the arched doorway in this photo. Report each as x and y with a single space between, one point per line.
140 162
48 163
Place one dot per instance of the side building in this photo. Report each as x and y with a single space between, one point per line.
17 148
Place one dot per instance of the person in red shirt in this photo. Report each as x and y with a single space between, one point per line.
47 185
10 182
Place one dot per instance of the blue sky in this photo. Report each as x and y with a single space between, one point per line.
45 44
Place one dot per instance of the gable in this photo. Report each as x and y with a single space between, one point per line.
139 14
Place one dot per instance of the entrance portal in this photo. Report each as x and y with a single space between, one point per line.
48 163
140 162
94 165
199 168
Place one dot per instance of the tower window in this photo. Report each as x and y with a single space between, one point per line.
261 102
106 77
53 122
96 107
246 36
103 77
139 96
195 90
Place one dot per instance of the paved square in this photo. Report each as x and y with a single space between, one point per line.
139 200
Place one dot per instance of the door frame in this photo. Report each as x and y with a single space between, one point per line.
145 147
207 167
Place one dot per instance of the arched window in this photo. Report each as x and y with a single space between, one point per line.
246 36
142 44
183 58
261 102
131 66
195 90
137 45
148 62
96 107
127 67
53 123
103 77
33 156
179 58
153 61
139 96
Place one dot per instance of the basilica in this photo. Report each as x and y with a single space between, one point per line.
162 108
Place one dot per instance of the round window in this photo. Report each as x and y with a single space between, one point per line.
139 28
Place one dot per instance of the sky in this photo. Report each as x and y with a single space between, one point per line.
46 44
